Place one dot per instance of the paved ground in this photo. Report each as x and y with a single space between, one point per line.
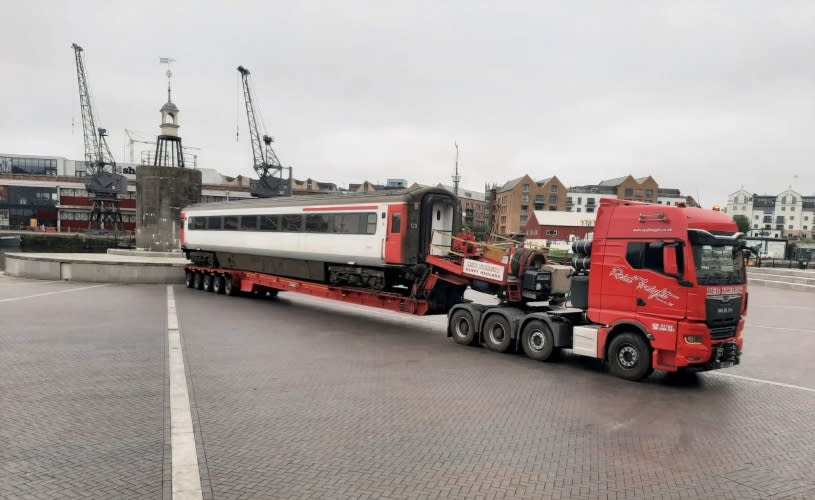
297 398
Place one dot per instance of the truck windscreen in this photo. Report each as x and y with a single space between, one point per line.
718 258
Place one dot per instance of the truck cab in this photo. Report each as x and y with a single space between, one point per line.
672 277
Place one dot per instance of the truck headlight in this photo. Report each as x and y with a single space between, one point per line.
694 339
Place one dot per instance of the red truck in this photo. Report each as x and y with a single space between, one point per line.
658 288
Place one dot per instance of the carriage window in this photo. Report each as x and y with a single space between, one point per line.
291 223
396 223
197 223
249 223
231 223
269 223
346 223
371 229
214 223
318 223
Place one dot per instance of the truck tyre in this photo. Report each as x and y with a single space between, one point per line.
537 340
229 287
462 327
497 333
198 281
629 356
218 284
189 277
207 283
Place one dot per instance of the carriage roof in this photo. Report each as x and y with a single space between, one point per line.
415 193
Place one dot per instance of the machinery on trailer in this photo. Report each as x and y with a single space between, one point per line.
659 287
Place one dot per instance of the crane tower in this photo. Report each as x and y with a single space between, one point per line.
103 182
271 180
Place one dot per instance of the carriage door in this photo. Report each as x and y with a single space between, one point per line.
442 227
397 222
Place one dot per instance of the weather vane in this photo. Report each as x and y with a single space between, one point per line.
167 61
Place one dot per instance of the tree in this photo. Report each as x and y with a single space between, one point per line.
743 222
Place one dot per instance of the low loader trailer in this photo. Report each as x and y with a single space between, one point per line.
657 288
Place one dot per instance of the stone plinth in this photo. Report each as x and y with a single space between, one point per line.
161 193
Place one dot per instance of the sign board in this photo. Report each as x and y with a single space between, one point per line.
483 269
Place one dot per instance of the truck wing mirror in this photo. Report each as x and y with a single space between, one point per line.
670 264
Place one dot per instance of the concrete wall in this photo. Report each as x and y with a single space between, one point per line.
161 193
25 266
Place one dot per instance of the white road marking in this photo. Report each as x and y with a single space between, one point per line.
768 382
12 299
778 306
780 328
186 479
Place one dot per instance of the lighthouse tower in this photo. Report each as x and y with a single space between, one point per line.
169 152
163 189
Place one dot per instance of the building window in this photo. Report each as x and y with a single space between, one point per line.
526 188
590 209
755 217
755 226
524 198
554 189
790 226
629 192
578 209
649 193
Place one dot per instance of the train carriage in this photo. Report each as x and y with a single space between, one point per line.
376 240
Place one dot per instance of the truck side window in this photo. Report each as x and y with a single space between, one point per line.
640 256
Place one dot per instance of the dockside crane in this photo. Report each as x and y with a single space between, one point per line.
103 182
272 180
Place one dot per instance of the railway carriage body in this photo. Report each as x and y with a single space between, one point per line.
371 239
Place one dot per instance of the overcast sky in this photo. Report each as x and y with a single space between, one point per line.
704 96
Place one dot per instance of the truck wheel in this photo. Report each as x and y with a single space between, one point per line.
198 281
229 287
189 277
207 282
537 340
462 327
629 356
497 333
218 284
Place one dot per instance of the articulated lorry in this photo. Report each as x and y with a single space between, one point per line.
658 288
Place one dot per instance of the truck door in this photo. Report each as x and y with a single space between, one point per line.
638 287
394 248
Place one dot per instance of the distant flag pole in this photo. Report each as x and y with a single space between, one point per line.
456 177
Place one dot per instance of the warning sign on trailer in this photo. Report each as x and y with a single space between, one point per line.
483 269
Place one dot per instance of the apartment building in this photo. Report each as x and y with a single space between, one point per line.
788 214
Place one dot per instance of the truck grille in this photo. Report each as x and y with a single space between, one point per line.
723 332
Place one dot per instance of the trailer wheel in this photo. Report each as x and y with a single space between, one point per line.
462 327
629 356
189 277
537 340
229 287
497 333
218 284
198 281
207 282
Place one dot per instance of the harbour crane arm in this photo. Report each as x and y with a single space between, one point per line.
266 163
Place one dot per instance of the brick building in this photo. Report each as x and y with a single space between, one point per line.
559 226
513 203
